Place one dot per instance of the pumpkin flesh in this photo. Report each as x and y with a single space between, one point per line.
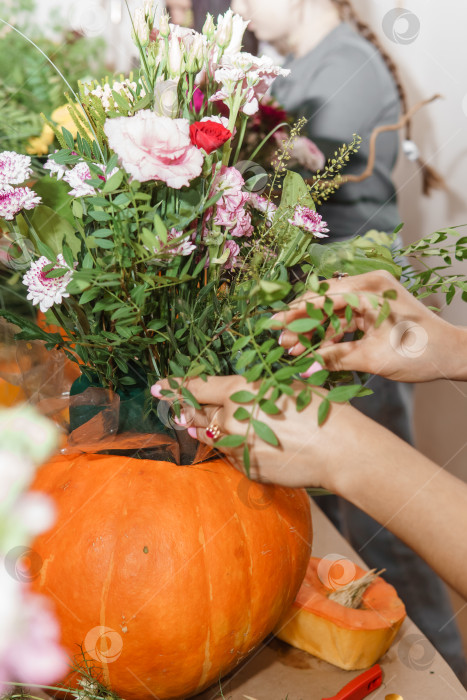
346 637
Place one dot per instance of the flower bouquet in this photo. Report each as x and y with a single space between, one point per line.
167 262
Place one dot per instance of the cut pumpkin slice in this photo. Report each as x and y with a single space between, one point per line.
351 638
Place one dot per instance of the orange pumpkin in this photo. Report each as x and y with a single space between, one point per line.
167 575
346 637
10 394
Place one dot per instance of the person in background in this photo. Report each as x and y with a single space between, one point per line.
419 501
344 84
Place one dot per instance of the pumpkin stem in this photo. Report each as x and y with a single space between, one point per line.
350 595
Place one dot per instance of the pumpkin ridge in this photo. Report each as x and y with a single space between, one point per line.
207 577
104 598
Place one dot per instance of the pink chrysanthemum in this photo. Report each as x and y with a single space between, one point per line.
14 168
43 290
310 221
13 199
76 178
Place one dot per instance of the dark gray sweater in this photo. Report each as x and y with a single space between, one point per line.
344 87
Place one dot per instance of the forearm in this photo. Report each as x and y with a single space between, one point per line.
454 363
418 501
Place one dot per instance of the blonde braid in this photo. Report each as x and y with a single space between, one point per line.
431 179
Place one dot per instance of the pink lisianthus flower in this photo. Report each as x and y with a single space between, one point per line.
256 75
155 148
47 291
14 168
310 221
234 252
14 199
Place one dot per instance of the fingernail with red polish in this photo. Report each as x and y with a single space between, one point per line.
315 367
156 391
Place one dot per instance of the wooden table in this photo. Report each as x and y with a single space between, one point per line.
412 667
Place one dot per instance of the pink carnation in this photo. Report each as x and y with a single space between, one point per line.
185 245
310 221
242 224
263 205
230 182
234 252
155 148
13 199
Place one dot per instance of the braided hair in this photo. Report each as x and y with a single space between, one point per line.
431 179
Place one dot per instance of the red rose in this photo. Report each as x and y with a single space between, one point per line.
209 135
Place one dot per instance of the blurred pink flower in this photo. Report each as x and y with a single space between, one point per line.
155 148
306 153
31 653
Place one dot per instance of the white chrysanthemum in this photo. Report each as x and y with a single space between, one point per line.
43 290
14 199
14 168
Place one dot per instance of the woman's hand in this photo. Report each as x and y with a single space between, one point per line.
308 455
412 345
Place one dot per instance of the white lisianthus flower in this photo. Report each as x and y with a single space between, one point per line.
141 31
47 291
239 26
55 168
